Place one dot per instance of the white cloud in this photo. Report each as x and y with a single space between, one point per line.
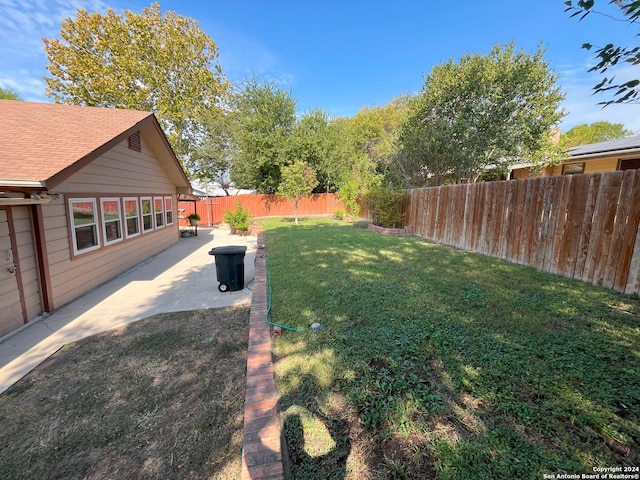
582 105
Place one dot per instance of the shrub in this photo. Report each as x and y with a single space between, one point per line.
339 214
384 207
238 219
348 194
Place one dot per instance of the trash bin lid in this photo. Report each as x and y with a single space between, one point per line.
228 250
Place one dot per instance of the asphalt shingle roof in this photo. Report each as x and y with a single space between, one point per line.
603 147
38 140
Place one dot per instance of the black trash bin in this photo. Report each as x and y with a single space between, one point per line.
229 267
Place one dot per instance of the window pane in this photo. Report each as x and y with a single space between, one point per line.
111 221
168 208
131 208
83 213
112 231
157 206
132 226
147 218
86 237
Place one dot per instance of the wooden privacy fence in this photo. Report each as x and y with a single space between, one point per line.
212 210
578 226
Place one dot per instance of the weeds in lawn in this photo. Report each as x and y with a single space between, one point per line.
449 364
160 398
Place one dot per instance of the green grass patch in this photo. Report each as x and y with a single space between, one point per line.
439 363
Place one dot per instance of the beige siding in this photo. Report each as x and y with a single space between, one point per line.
592 166
119 172
10 308
28 264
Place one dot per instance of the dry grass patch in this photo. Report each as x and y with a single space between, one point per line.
160 398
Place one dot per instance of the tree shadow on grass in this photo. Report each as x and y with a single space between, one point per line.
528 367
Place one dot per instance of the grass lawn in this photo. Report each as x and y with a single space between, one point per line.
159 399
437 363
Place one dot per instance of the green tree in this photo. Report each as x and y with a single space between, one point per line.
212 157
266 117
314 140
611 55
485 110
375 131
8 94
151 62
593 133
298 181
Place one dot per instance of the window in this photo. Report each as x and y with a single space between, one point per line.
158 209
132 217
84 230
573 169
147 214
168 209
629 164
111 220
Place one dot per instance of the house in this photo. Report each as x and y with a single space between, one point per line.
85 194
619 154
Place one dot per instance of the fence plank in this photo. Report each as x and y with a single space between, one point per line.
620 222
587 225
560 209
629 241
573 225
610 201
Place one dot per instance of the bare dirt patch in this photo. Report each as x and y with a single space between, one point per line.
160 398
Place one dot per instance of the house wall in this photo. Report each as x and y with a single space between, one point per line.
119 172
591 166
22 225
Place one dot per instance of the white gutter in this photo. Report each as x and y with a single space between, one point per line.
18 183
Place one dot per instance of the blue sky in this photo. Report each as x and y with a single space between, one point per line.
342 55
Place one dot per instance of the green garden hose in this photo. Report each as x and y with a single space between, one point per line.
266 316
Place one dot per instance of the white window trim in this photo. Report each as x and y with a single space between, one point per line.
173 213
103 221
155 212
96 214
151 212
138 216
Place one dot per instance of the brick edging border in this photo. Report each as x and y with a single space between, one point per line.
399 232
261 447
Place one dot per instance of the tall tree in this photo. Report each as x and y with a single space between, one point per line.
152 62
314 140
8 94
375 131
485 110
593 133
298 181
212 156
266 117
610 55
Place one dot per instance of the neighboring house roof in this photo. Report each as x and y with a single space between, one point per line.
42 143
620 145
215 190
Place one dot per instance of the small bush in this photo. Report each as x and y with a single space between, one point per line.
339 214
238 219
384 207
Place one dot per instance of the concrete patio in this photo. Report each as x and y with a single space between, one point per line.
183 277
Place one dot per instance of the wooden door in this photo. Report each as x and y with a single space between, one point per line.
12 306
